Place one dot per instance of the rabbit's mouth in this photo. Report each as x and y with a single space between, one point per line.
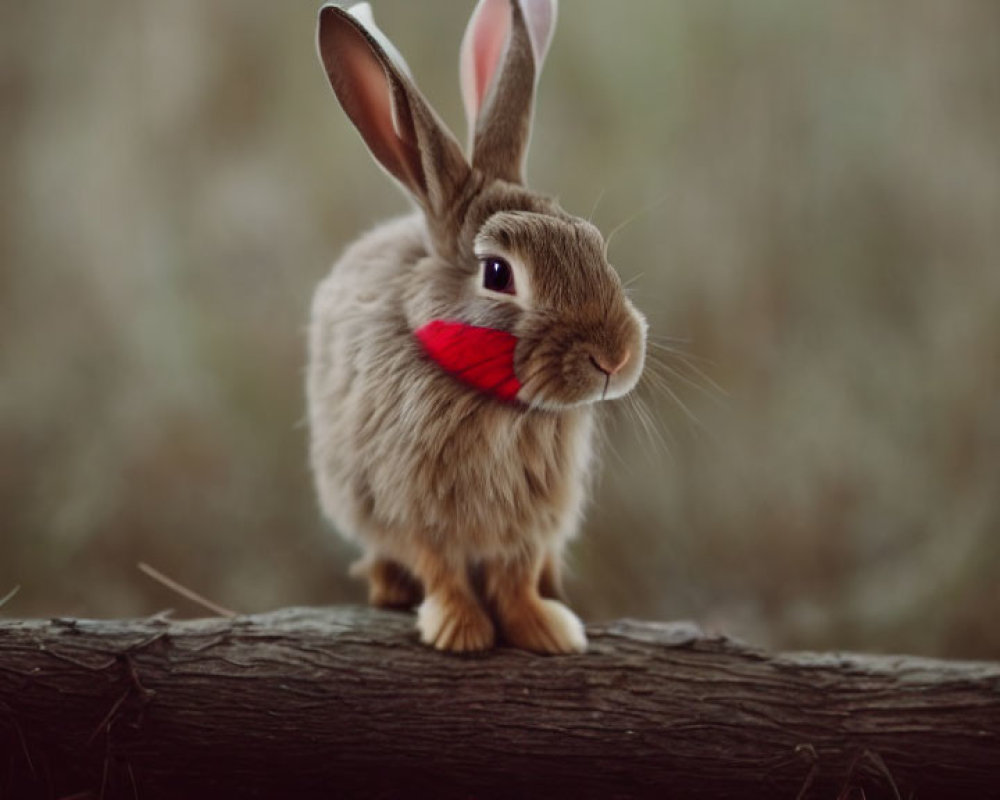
580 378
568 363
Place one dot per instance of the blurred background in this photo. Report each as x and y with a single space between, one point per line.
811 195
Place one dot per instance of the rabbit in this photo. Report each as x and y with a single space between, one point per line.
456 354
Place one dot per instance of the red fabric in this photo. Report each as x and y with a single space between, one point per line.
480 357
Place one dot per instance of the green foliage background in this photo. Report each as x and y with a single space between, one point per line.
814 195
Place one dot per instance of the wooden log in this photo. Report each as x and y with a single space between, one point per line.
342 702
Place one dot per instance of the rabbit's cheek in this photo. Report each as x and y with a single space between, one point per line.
479 357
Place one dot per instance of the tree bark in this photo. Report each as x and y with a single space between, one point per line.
345 702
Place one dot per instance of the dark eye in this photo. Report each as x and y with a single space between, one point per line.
497 275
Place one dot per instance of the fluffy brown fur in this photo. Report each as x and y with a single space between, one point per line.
461 502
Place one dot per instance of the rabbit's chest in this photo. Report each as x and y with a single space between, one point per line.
490 477
527 481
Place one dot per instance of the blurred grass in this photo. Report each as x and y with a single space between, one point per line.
814 195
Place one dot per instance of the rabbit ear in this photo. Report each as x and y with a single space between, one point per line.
401 130
501 57
362 12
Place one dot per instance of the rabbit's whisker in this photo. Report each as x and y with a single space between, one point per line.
630 219
657 381
632 280
597 202
687 359
660 337
712 391
653 435
605 440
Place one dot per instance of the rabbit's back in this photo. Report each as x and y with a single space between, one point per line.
357 331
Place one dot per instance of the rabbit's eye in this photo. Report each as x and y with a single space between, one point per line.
497 275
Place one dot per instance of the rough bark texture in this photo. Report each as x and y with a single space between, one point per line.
345 702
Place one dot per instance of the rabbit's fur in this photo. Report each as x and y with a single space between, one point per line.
461 501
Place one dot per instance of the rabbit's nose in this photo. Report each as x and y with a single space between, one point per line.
605 365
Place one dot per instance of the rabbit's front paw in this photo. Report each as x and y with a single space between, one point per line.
454 622
544 626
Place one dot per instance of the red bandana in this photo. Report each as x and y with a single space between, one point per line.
480 357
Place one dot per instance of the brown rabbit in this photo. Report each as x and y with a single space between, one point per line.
456 354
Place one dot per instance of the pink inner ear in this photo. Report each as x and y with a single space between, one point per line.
489 41
482 48
364 90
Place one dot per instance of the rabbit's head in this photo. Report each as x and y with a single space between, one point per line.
514 296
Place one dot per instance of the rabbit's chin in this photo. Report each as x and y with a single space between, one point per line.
543 403
551 398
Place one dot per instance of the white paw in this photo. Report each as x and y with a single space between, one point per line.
457 625
565 627
430 618
544 626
